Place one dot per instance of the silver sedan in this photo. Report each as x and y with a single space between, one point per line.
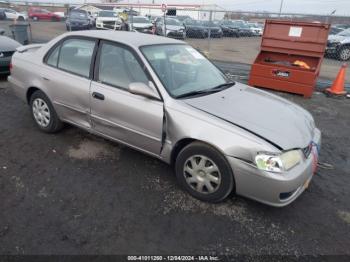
164 98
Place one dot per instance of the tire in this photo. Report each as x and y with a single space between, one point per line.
195 170
344 53
35 18
20 18
39 104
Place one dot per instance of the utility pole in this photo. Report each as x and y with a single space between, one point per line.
281 6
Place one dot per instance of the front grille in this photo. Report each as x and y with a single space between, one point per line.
307 150
4 69
6 54
109 22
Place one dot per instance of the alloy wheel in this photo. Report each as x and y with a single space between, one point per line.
41 112
345 54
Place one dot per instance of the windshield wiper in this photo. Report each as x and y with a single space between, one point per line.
214 89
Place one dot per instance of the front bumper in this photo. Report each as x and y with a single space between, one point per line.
176 34
270 188
5 65
331 50
108 25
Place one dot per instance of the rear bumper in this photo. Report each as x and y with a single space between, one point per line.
79 27
270 188
17 88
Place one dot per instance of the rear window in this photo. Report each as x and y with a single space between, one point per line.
75 56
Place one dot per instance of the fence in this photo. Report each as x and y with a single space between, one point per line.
229 37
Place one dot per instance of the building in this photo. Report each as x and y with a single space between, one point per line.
195 11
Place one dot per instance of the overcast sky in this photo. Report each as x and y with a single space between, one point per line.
293 6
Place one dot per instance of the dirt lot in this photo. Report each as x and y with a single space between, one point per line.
74 193
242 50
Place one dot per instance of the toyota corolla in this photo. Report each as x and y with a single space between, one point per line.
164 98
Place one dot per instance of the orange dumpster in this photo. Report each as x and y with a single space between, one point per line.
290 56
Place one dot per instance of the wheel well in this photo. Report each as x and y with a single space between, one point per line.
31 91
178 147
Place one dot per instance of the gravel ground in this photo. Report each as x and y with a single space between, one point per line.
74 193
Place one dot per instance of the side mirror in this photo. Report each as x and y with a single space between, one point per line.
139 88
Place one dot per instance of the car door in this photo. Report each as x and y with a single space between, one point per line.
67 78
115 112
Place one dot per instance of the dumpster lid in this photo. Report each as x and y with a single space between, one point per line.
298 38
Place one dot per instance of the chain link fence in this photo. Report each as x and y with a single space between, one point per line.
232 39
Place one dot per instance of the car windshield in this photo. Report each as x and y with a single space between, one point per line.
208 23
140 20
192 22
182 69
345 33
107 14
78 15
170 21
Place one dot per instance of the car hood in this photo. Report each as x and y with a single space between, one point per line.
337 38
7 44
270 117
117 19
195 27
142 25
213 28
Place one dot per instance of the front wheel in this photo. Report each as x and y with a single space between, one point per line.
204 172
44 114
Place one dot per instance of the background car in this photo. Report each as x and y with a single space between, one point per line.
162 97
213 29
335 30
171 28
338 46
14 15
78 20
141 24
182 18
195 29
2 14
257 29
243 28
228 28
7 48
42 14
108 20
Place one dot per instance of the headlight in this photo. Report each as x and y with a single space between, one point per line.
278 162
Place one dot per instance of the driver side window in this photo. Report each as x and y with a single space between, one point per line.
119 67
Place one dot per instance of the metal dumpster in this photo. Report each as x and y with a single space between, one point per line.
290 57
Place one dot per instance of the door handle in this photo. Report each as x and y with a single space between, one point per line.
46 78
98 96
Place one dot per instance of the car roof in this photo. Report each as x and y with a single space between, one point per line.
134 39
